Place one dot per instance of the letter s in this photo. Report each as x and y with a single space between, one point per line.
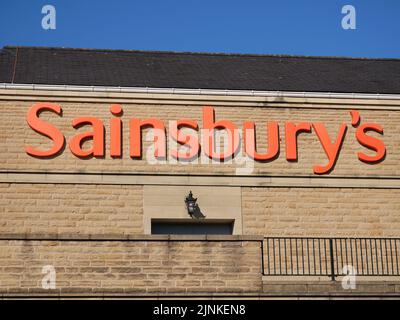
45 129
371 143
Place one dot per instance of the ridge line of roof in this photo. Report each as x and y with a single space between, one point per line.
201 53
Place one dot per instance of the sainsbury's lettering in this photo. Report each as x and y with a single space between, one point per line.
190 145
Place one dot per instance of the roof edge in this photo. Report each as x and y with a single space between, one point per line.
217 92
201 53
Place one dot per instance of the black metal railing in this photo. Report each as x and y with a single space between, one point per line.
289 256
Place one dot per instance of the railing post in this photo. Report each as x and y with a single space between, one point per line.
262 258
332 259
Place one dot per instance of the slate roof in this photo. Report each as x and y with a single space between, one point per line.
93 67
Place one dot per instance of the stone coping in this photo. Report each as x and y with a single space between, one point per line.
117 237
275 99
206 179
207 296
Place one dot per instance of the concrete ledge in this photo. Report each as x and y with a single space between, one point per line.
331 288
190 296
257 180
118 237
166 96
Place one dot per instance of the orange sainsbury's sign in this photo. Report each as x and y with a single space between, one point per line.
189 145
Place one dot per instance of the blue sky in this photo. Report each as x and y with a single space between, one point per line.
307 27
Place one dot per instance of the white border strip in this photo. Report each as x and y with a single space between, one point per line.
252 93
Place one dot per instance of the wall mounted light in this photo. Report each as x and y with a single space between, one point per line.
192 207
